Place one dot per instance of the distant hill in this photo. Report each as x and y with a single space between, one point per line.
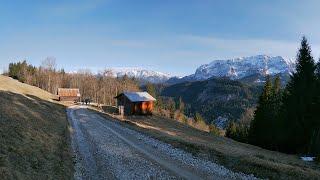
216 99
176 80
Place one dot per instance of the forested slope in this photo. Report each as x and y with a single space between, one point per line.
215 97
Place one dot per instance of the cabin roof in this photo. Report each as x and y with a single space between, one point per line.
137 96
68 92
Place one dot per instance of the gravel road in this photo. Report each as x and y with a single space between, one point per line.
104 149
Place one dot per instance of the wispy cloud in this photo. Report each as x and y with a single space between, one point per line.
224 48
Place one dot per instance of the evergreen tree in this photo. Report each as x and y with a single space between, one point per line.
181 105
151 89
171 107
298 119
274 123
315 140
276 85
258 133
318 70
237 131
159 103
231 130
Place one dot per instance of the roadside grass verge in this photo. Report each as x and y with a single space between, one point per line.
237 156
34 138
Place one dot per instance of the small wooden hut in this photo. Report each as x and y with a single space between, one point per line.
135 103
67 94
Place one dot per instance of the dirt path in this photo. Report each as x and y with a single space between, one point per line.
106 150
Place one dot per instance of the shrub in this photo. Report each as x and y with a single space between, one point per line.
198 118
237 132
214 130
200 123
231 130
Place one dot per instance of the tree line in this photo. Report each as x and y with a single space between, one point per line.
100 88
287 119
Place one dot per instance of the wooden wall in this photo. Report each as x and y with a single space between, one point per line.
68 98
128 105
138 108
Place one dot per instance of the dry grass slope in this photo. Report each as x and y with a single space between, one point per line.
33 134
234 155
12 85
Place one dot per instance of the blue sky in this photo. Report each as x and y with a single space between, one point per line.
171 36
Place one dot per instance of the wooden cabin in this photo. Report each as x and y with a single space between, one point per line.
135 103
67 94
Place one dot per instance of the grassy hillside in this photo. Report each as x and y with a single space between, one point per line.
33 134
215 97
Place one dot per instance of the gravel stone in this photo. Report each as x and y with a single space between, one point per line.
106 150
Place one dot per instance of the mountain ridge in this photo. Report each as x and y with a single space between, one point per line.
239 68
233 68
138 73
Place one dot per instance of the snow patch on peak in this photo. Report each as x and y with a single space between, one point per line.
138 73
237 68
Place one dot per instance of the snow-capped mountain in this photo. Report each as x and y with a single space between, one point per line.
138 73
245 66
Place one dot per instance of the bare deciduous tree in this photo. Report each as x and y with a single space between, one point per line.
101 88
